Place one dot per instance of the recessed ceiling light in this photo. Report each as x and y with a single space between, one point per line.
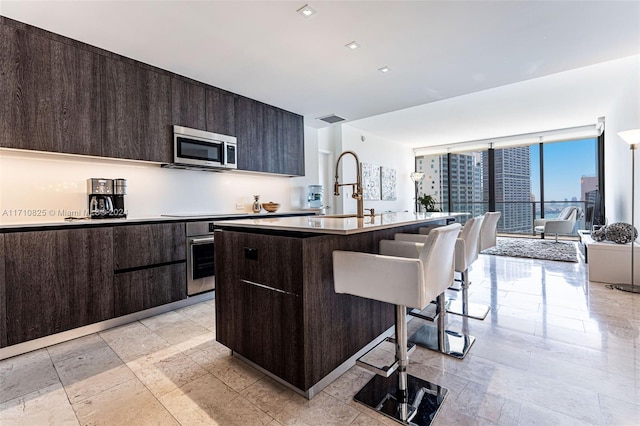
384 69
352 46
307 11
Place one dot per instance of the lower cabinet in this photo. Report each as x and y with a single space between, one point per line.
147 288
56 281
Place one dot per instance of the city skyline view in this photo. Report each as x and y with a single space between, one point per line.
569 172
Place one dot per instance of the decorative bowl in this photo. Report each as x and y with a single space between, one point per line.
271 206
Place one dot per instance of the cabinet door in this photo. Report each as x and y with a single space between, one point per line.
51 95
27 120
76 94
56 281
291 142
250 123
147 245
146 288
187 104
221 112
137 112
259 301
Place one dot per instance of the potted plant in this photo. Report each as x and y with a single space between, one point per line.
428 202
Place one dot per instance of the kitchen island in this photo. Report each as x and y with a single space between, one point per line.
275 304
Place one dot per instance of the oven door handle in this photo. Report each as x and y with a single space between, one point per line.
203 240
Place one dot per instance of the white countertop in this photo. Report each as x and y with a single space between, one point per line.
86 222
334 224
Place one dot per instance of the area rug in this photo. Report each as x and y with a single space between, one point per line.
534 249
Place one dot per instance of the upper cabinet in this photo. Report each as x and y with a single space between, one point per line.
51 95
61 95
270 139
137 112
220 107
187 103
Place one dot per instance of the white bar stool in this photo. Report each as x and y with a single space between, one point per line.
467 249
406 281
489 231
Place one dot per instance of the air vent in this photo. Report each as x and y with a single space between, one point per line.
332 119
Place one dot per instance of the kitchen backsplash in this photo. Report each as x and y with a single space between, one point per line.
43 187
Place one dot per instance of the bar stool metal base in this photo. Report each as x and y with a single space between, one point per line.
455 344
423 399
462 306
471 310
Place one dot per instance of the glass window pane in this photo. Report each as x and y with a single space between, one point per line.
569 183
513 190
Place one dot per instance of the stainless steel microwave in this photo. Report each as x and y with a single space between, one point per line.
198 148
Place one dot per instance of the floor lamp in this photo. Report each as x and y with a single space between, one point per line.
632 137
417 177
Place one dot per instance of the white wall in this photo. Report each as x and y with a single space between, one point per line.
623 114
53 183
380 152
298 196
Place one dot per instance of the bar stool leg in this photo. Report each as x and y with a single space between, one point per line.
438 338
404 398
463 307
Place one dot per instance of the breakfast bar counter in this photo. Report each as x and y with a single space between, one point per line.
276 307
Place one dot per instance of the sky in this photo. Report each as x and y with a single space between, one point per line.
564 164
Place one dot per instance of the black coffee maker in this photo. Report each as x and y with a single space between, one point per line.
106 200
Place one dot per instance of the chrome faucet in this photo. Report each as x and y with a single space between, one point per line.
357 186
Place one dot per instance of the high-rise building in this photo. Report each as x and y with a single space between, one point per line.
513 188
587 185
466 180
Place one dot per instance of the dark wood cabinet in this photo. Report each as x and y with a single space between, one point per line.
51 95
276 304
137 116
291 134
27 103
150 266
220 107
60 95
147 245
3 297
187 103
147 288
56 281
270 139
259 301
77 94
249 121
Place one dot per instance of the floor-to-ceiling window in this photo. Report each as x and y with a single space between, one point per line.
522 182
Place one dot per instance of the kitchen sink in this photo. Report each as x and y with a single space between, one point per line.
337 216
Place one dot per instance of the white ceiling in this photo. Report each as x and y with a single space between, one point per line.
265 50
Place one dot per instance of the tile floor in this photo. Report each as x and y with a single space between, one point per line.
555 350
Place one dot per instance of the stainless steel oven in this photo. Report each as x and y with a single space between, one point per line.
201 273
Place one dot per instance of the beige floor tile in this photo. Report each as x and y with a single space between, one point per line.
162 320
618 412
289 408
181 334
207 400
537 415
133 340
165 370
76 347
84 376
207 352
47 406
347 385
25 374
129 403
233 372
364 420
201 313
